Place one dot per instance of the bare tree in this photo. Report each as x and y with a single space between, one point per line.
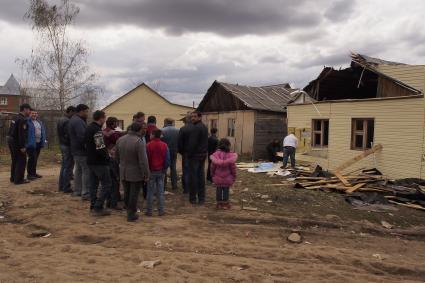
59 64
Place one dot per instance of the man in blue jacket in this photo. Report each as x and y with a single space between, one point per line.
76 130
170 135
35 142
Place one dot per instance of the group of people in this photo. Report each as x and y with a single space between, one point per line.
99 157
25 138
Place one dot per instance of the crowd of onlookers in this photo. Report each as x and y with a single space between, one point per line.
100 158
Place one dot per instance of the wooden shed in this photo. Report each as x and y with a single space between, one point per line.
250 117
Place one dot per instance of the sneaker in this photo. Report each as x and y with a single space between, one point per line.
22 182
148 214
85 198
161 213
132 218
38 176
100 212
226 206
30 177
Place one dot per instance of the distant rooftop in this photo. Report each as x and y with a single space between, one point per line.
11 87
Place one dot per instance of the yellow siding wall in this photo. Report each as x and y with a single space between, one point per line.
412 75
399 127
145 100
243 141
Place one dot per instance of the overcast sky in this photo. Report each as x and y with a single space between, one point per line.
182 46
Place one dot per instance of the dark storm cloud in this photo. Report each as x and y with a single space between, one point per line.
336 59
340 10
225 17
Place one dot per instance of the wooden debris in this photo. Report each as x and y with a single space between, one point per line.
351 161
249 208
411 205
342 179
354 188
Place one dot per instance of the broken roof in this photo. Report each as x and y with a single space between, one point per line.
360 80
367 60
267 98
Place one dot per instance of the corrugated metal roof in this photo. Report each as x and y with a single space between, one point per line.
269 98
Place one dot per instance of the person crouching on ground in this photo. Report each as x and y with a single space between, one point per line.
223 172
131 156
159 160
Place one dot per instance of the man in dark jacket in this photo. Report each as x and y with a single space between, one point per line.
197 150
111 136
170 135
98 163
67 165
134 168
76 130
183 148
17 139
212 147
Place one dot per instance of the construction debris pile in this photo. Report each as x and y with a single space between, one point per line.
367 190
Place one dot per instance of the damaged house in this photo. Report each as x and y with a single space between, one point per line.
250 117
372 102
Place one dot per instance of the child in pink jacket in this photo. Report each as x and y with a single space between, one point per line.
223 172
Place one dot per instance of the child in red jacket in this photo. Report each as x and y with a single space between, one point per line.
159 160
223 172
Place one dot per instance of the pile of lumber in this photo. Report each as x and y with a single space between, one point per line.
347 184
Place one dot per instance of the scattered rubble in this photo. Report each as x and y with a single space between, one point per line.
40 234
150 263
387 225
294 238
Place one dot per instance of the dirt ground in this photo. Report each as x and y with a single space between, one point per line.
200 244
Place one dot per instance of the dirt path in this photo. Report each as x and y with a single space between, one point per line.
193 244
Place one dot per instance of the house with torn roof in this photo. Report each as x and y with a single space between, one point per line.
349 110
250 117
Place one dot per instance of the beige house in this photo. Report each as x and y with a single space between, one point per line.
145 99
382 103
250 117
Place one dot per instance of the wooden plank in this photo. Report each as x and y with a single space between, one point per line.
351 161
410 205
354 188
342 179
310 178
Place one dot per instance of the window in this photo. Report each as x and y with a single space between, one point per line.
121 124
3 100
213 124
320 133
231 127
362 131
